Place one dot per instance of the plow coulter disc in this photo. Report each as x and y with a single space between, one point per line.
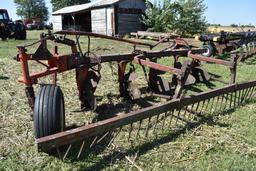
131 130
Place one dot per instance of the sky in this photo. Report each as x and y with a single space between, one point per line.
223 12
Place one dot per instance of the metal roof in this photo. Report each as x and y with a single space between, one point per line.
84 7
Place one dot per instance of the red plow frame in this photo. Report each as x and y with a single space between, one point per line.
51 133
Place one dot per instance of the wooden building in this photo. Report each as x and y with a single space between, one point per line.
110 17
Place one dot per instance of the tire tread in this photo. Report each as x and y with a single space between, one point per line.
47 111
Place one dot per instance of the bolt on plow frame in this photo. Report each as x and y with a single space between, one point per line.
135 127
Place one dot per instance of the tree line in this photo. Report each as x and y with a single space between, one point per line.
28 9
184 17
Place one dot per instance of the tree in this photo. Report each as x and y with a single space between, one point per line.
184 17
32 9
233 25
58 4
192 20
247 25
158 16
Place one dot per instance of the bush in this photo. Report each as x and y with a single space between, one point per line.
184 17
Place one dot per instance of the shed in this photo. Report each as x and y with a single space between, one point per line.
110 17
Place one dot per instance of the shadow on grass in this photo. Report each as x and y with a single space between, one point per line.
250 61
4 78
194 88
108 110
101 161
104 111
144 148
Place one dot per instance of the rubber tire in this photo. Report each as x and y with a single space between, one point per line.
20 32
49 111
209 52
23 34
3 34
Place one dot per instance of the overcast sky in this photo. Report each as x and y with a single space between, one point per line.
223 12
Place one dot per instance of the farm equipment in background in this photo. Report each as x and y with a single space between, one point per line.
225 42
179 110
37 24
153 35
10 29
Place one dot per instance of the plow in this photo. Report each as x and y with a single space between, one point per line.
225 42
136 127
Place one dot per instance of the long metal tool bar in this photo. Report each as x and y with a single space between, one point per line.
221 99
150 55
82 33
178 41
211 60
228 36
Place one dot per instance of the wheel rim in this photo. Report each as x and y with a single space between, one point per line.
207 52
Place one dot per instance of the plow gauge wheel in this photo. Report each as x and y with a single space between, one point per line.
49 111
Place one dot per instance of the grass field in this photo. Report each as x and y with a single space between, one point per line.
222 142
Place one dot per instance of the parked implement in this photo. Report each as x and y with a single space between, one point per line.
9 29
87 77
225 42
49 107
